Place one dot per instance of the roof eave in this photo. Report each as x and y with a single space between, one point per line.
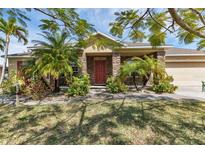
176 55
146 47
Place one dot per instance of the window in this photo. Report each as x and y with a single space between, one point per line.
19 65
75 69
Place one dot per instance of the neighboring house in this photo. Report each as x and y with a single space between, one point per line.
186 66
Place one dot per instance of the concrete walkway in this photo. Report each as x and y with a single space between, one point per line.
191 92
102 95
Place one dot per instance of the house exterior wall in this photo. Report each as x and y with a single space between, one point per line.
13 63
171 58
92 49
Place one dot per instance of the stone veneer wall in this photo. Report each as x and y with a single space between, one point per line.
90 68
116 60
83 61
161 56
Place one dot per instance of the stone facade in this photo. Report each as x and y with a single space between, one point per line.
83 61
90 68
116 60
160 55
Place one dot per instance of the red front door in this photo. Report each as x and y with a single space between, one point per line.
100 71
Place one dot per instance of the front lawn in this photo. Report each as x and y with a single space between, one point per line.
122 121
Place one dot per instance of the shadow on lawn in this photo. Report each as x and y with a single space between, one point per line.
142 114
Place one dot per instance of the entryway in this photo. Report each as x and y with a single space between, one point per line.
100 71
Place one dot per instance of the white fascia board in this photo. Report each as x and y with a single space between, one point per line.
176 55
182 61
19 56
109 37
145 47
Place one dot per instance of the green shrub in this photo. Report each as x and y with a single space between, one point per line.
79 86
164 85
9 86
115 85
36 88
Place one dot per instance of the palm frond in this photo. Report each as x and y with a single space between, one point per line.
54 54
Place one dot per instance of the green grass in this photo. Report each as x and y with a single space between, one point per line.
106 122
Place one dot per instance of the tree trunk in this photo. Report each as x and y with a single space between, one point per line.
145 80
56 88
5 58
134 81
17 93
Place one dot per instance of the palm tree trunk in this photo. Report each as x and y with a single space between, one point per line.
134 81
5 58
145 80
56 89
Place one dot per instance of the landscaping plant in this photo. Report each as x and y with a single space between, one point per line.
79 86
8 86
164 84
139 68
115 85
36 88
147 69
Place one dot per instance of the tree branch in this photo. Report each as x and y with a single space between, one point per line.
199 14
140 18
182 24
136 22
50 15
167 29
55 18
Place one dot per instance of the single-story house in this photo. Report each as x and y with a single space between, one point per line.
185 65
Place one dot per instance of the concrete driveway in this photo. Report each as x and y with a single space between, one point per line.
191 92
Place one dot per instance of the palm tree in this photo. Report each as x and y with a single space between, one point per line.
2 44
10 28
54 56
143 68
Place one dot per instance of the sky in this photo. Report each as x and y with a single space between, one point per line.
100 18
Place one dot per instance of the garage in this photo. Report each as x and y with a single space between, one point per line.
186 73
187 66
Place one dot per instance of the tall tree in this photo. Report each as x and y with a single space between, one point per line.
55 19
54 55
11 28
154 24
2 44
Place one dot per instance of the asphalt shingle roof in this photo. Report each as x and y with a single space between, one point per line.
177 51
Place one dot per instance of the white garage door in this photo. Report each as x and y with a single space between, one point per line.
186 74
